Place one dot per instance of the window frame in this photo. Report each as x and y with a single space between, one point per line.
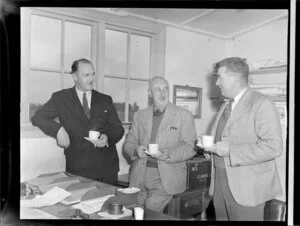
100 21
26 66
127 76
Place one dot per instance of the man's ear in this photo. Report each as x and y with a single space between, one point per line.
149 93
74 76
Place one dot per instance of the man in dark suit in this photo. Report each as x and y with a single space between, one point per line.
79 110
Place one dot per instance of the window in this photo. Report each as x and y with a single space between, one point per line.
54 42
127 70
123 53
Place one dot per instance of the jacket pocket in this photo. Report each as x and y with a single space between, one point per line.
262 167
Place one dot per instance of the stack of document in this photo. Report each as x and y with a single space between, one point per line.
93 205
62 183
44 180
50 198
29 213
76 196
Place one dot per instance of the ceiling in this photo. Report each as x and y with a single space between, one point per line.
220 23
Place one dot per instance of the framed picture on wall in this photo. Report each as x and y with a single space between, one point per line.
189 98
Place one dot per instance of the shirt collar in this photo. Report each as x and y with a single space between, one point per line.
80 93
238 97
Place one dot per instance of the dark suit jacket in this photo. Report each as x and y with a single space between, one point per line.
82 157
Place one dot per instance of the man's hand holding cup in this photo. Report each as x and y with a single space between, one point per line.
99 140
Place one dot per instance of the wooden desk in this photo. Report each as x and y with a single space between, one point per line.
62 211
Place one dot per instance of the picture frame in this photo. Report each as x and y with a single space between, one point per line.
189 98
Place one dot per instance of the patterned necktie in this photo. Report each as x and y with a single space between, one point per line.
85 105
223 120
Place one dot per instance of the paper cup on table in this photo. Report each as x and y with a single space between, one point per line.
208 141
153 148
138 213
94 135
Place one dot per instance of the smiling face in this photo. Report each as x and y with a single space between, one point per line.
227 82
84 77
159 92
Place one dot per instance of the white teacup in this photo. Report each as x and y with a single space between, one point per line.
153 148
207 140
94 135
138 213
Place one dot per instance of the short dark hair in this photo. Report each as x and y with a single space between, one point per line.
235 65
75 64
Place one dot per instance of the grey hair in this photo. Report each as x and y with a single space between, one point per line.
236 65
155 78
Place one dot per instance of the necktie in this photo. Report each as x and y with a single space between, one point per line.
223 120
158 112
85 105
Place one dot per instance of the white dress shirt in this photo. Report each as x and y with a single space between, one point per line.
88 96
237 98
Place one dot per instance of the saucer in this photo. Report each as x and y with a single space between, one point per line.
156 154
204 147
91 140
130 190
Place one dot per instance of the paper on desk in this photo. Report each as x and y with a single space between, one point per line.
93 205
76 196
62 184
52 197
106 215
29 213
40 181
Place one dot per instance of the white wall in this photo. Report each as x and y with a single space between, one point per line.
189 59
267 42
40 156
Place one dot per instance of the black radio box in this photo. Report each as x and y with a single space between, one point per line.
198 173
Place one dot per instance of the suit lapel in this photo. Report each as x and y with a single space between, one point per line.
165 121
76 107
147 120
239 109
94 102
214 128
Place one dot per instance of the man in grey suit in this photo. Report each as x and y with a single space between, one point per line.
248 139
162 175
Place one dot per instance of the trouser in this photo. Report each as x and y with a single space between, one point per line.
153 195
109 177
226 208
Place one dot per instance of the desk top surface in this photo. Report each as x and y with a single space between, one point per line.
62 211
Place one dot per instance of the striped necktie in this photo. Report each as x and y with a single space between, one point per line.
223 120
85 105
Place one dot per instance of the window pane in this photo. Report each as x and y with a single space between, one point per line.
115 53
78 38
68 81
116 89
139 56
138 97
45 42
42 85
